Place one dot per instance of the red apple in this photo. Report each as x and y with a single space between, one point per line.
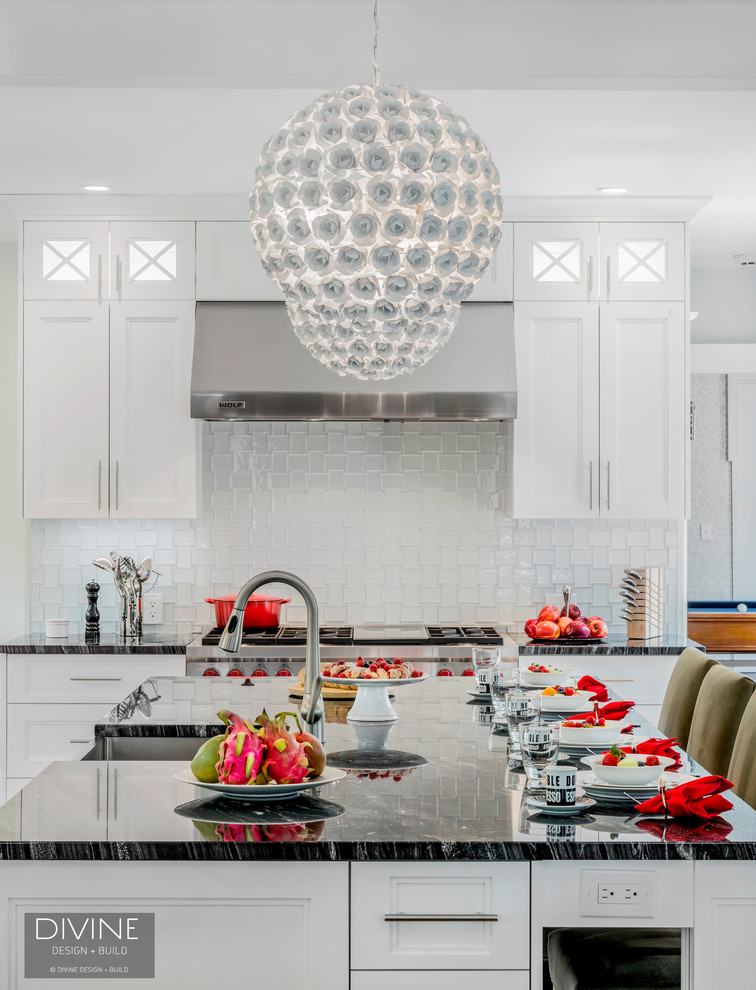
580 630
574 611
598 627
547 630
530 628
549 613
564 623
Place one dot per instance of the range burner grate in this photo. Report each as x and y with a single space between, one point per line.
478 635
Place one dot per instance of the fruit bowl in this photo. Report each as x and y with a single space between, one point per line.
627 776
594 735
553 677
579 701
554 623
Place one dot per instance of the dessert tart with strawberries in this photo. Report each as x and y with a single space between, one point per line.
370 676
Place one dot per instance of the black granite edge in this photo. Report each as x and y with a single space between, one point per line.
81 649
600 650
157 731
365 852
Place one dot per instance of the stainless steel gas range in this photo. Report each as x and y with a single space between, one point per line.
280 652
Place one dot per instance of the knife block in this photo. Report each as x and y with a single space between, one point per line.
648 620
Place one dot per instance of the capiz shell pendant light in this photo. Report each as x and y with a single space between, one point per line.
376 209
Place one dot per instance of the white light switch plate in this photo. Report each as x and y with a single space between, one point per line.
615 894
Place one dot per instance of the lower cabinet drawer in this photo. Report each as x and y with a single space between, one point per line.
39 734
434 979
45 679
440 916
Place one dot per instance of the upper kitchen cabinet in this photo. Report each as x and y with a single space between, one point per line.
98 260
556 261
66 260
228 267
151 261
642 262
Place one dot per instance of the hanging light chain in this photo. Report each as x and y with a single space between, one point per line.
376 28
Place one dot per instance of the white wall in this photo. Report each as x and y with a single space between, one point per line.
13 531
725 299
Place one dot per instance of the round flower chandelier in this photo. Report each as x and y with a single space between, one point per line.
376 209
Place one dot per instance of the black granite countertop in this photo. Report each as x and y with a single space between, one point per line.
163 641
464 803
613 645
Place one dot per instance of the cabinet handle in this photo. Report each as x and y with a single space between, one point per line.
608 485
79 740
590 275
618 680
97 798
441 917
118 276
117 486
590 485
115 794
99 485
99 278
94 679
608 273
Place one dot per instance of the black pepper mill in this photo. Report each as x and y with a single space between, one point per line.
92 614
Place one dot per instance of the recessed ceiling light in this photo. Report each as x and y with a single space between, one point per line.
612 190
96 188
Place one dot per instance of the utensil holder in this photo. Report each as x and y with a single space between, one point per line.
648 610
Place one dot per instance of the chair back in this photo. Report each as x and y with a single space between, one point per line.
682 692
721 702
742 770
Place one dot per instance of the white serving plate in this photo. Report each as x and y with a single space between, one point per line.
578 702
554 679
617 794
262 792
627 776
562 810
371 705
619 739
603 735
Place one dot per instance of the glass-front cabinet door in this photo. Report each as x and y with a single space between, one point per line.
556 262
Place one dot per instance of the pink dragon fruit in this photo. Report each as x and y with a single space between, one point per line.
285 759
239 833
240 753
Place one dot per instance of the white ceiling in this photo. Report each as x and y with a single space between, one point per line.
172 97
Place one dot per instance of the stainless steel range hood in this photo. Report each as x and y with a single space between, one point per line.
248 365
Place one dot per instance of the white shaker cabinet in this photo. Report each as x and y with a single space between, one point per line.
642 262
66 260
151 260
65 436
153 439
556 261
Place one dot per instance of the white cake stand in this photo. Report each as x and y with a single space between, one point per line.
372 703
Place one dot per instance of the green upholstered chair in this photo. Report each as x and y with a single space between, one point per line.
682 692
742 770
719 708
614 958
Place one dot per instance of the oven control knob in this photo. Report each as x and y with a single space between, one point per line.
235 672
283 672
260 673
468 673
444 673
210 672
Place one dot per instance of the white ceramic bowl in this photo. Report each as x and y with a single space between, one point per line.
603 735
578 702
56 628
554 679
627 776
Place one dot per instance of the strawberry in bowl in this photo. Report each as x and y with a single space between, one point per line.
629 770
558 698
541 675
588 732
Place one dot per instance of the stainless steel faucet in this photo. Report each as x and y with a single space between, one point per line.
313 713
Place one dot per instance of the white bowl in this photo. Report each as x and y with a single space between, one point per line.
601 735
627 776
578 702
56 628
554 679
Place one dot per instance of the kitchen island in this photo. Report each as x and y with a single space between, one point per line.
450 836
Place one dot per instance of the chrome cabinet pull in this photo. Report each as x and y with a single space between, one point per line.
118 276
97 798
115 794
590 275
99 485
608 273
441 917
99 278
590 485
117 486
94 679
608 485
79 740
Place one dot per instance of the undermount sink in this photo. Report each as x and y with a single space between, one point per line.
145 748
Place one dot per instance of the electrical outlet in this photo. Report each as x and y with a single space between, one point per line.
615 894
152 609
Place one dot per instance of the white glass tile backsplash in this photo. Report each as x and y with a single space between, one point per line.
388 522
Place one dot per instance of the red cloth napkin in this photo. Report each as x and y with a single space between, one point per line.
615 711
657 747
588 683
675 830
696 799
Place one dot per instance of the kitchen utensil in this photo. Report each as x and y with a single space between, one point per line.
104 563
262 611
633 574
144 570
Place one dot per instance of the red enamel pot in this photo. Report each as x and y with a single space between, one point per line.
262 612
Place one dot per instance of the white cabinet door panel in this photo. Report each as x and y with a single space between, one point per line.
228 265
556 261
79 790
725 923
151 260
65 259
141 799
153 457
642 261
643 412
39 734
65 410
454 979
105 680
389 889
556 433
